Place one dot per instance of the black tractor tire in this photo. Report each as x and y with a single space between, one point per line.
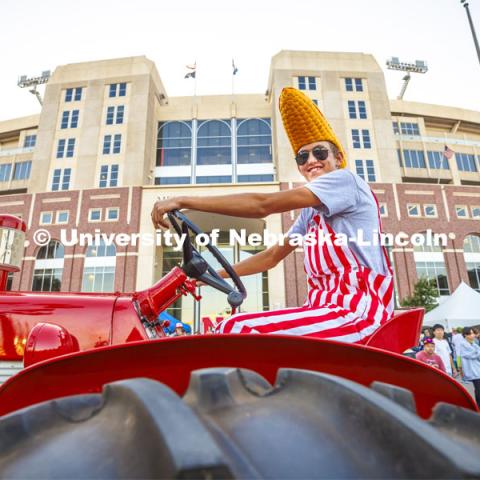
232 423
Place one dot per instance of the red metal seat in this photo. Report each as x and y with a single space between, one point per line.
400 333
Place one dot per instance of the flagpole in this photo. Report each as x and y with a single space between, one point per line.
195 82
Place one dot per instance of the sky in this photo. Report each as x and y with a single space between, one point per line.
37 36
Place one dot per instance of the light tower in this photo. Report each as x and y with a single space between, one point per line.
34 82
474 35
419 66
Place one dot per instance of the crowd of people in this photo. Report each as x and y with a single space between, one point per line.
456 353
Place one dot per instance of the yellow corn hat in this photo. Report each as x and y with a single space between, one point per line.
304 122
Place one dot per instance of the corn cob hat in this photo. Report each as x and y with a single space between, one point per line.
304 122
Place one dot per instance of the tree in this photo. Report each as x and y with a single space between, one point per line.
425 295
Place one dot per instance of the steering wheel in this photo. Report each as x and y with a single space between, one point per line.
195 266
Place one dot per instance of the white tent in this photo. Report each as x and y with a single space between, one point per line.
461 309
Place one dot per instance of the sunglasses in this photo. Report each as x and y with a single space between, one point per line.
319 153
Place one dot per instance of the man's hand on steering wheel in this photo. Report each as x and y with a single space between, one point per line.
160 208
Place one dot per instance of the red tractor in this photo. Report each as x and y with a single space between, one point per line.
106 395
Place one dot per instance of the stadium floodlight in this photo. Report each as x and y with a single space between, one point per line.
34 82
420 66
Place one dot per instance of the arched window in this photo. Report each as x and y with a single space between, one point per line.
99 268
48 269
430 263
471 249
254 141
174 144
214 143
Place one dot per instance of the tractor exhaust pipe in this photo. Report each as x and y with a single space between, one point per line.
12 244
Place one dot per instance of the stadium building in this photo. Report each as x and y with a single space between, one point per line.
109 141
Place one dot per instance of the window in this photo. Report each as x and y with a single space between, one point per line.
5 172
365 169
70 147
475 212
69 119
352 110
413 210
117 90
435 271
62 217
396 130
471 244
172 180
254 141
117 143
70 144
215 179
48 269
407 128
108 176
465 162
437 160
46 218
255 178
95 215
61 179
214 143
174 144
356 138
112 214
354 107
430 210
362 109
107 144
120 114
353 84
307 83
74 121
383 209
430 264
30 141
61 148
99 268
365 138
65 117
471 247
461 211
73 94
115 115
22 170
413 159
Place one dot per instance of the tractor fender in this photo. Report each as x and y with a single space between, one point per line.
232 423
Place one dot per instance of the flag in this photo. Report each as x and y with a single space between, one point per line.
234 68
448 153
193 71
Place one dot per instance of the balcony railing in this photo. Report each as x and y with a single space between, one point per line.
16 151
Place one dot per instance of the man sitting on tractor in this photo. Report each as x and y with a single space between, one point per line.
350 286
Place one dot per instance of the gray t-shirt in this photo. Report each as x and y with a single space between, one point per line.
348 206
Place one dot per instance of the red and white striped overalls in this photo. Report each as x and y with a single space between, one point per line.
346 301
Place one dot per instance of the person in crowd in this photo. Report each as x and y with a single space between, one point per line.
477 336
426 333
179 330
469 352
428 355
444 350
